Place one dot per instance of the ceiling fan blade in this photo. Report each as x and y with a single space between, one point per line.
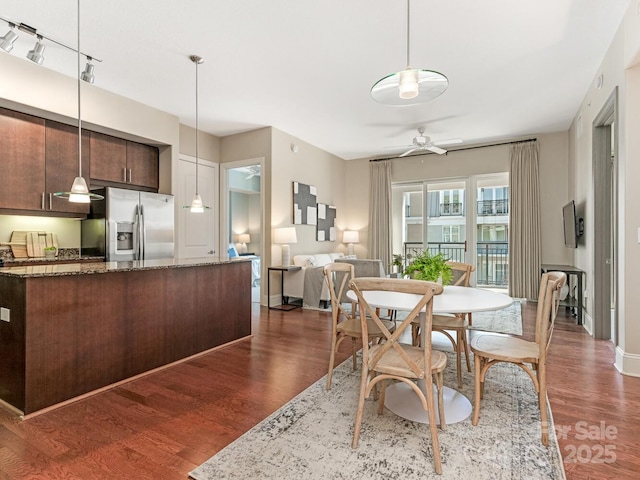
408 152
437 150
451 141
399 146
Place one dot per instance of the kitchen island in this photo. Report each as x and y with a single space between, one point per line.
77 328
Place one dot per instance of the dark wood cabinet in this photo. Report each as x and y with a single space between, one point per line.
114 160
73 334
39 157
142 165
22 159
61 154
108 158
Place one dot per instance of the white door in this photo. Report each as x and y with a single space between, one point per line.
197 232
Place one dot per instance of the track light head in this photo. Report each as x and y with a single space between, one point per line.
6 42
37 54
87 74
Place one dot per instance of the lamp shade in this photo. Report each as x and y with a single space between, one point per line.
350 236
244 238
285 235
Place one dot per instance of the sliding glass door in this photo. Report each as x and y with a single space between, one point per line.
466 219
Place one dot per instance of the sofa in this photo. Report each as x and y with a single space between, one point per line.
305 282
294 281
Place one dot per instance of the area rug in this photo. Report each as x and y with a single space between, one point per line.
310 438
506 320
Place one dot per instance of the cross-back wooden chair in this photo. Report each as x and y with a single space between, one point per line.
456 323
345 324
491 348
391 360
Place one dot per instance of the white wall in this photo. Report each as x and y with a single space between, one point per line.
620 69
312 166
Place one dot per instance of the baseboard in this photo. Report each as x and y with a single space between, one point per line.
627 363
587 323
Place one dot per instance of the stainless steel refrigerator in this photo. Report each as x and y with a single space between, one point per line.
129 225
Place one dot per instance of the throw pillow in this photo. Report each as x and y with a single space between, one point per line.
310 262
350 257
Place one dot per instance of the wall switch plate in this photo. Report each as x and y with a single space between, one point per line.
5 314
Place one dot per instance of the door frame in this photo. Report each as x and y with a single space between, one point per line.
224 209
605 186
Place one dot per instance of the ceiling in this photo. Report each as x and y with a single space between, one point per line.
515 68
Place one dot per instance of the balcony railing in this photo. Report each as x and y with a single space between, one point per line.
493 207
492 261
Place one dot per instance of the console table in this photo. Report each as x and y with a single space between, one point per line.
283 305
570 302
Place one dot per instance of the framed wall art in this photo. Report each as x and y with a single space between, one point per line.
326 229
304 204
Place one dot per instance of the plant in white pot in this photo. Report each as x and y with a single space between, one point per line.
433 268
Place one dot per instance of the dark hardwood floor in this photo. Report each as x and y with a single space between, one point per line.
163 425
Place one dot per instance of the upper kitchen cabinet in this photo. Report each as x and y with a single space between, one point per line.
114 160
142 163
108 158
61 153
22 158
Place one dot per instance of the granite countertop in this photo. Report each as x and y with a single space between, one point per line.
54 270
64 255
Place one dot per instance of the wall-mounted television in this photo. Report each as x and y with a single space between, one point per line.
570 224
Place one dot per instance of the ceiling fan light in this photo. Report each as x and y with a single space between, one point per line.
408 83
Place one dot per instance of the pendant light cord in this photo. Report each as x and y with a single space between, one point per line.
79 108
408 29
196 127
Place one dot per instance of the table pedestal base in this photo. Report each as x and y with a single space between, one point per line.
403 401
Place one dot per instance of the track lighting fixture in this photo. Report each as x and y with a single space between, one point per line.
87 74
37 54
6 42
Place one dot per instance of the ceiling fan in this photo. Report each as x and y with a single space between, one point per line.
422 142
252 171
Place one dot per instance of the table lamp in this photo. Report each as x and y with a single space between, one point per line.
243 239
350 237
285 236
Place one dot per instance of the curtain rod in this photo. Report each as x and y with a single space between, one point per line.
459 149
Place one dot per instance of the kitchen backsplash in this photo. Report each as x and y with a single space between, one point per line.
67 229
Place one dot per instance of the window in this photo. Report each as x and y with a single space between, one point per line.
450 233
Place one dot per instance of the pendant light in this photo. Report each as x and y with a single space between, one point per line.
79 192
410 86
196 204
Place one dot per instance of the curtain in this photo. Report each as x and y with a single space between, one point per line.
380 212
524 231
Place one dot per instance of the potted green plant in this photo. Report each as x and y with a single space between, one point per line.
398 262
50 252
429 267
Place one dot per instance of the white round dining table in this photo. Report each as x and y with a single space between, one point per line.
399 397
